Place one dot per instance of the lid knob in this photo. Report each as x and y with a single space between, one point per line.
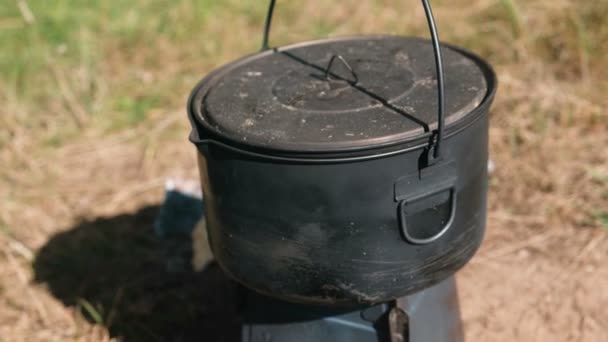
328 72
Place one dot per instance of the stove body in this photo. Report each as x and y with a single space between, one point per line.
432 315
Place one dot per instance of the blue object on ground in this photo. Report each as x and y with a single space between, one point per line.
179 214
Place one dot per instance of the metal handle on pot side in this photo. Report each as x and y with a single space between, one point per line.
403 217
434 151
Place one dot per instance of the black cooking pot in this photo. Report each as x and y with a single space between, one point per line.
332 175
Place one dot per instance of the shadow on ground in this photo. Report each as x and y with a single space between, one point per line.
120 274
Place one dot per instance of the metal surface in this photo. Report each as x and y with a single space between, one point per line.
399 327
267 25
345 63
320 178
445 225
434 314
435 143
431 315
330 233
431 204
280 99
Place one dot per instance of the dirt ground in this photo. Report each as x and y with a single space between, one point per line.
80 185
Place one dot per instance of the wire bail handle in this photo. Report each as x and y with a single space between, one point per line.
434 151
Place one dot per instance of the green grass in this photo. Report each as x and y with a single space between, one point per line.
513 15
4 228
603 218
132 110
77 44
91 311
58 63
105 65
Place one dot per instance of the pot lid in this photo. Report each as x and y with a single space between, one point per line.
338 94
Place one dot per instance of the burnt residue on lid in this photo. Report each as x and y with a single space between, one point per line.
378 90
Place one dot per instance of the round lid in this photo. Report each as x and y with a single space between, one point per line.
339 94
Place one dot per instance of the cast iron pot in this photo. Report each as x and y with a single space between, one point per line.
387 204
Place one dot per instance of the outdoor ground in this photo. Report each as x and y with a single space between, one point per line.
92 121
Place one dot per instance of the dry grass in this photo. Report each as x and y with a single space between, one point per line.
93 120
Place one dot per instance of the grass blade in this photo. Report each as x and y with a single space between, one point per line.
514 17
91 311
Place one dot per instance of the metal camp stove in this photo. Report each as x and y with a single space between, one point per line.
429 315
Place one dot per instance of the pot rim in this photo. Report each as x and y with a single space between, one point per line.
202 134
